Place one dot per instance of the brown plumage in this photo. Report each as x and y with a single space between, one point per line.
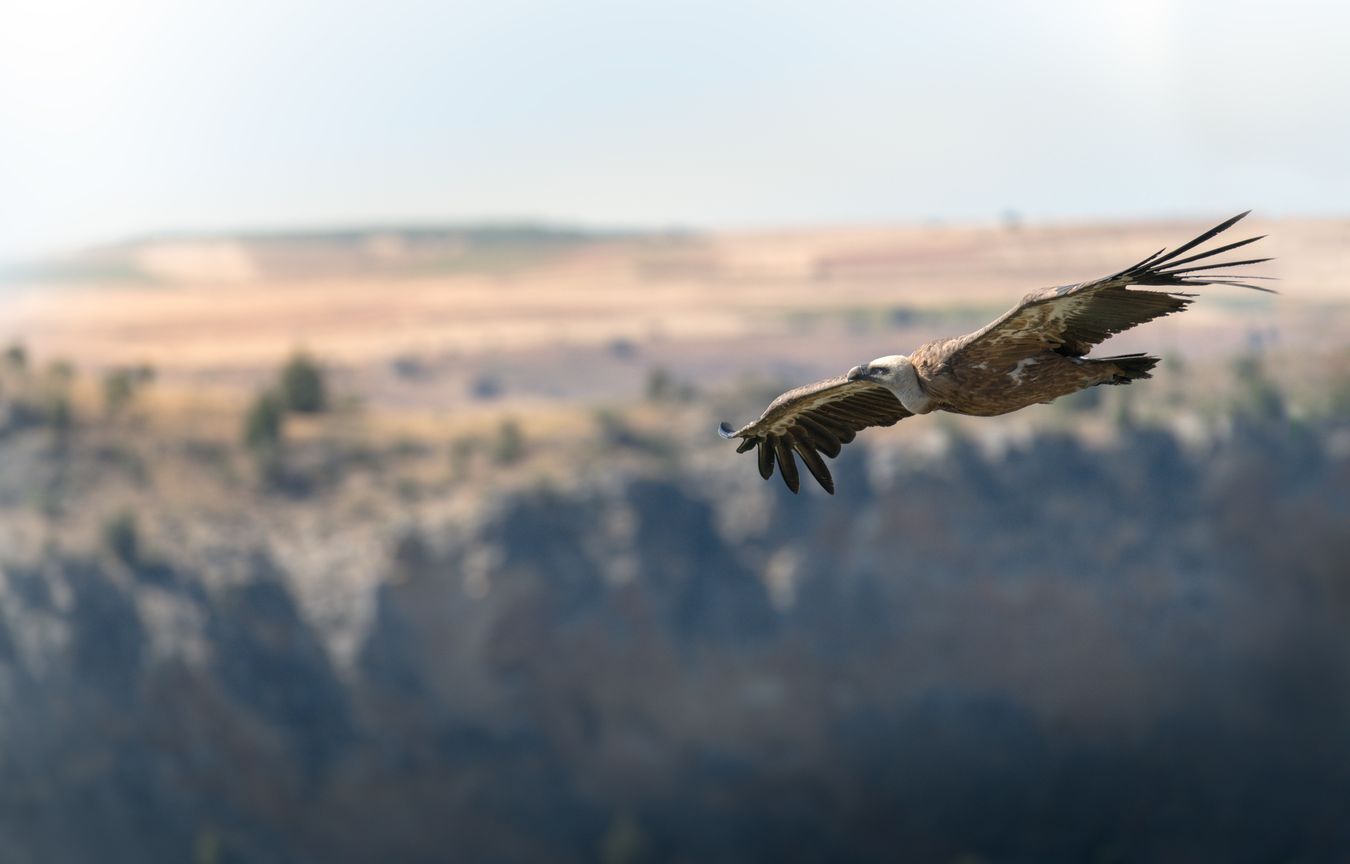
1033 353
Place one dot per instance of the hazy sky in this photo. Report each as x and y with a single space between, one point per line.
150 115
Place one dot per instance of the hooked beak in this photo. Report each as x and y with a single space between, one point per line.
860 373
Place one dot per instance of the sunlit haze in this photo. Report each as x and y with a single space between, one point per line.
155 116
362 369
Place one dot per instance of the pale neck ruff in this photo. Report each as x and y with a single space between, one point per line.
909 391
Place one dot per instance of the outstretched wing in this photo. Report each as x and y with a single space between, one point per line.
1070 319
815 419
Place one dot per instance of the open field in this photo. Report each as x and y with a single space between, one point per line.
424 320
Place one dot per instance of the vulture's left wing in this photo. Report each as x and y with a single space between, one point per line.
1070 319
818 418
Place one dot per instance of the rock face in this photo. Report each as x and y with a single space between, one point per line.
1054 654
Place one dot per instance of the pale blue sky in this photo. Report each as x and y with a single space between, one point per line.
150 115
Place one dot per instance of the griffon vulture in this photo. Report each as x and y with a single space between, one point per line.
1033 353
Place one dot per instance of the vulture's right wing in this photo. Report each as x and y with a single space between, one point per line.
818 418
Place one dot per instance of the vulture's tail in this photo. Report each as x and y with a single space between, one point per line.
1128 367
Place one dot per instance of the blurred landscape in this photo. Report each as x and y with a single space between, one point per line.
418 544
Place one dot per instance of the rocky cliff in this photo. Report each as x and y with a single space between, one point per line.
1132 651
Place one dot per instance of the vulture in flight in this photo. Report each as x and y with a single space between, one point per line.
1035 352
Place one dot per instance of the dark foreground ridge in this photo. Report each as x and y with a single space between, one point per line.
1055 654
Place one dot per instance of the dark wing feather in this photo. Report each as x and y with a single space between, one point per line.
787 466
811 459
815 419
1070 319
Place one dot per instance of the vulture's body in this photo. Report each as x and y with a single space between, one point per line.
1036 352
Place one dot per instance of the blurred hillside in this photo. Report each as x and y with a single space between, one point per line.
472 578
435 319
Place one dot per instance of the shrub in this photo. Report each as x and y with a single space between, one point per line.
1258 398
1339 388
16 356
614 430
121 536
303 389
58 414
264 423
486 386
510 444
462 451
120 386
410 367
118 390
659 385
662 386
61 372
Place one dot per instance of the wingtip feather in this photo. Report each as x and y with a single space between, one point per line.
765 456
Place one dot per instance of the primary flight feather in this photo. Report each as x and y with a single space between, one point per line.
1035 352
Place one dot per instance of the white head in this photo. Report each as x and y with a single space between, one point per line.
896 373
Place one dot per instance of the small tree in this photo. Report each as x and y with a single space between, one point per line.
118 389
660 384
61 372
486 386
122 537
1258 397
461 455
16 357
1339 388
264 423
302 385
58 414
120 386
510 444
